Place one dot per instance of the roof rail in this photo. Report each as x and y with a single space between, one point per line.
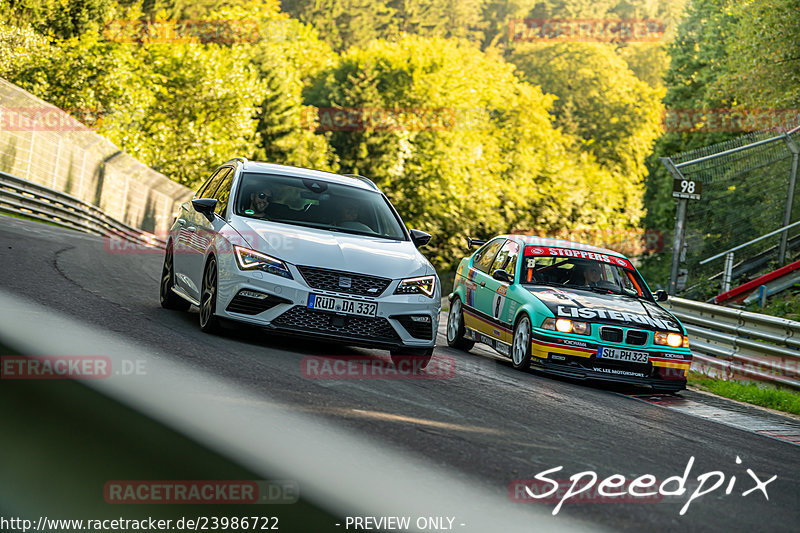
364 179
240 159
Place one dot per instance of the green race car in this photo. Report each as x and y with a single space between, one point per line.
570 309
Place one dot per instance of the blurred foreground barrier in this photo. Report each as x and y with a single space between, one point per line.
72 447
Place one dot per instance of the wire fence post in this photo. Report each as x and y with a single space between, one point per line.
787 213
680 230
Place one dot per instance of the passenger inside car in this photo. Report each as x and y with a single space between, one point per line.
259 202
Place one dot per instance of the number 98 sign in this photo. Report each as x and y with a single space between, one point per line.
687 189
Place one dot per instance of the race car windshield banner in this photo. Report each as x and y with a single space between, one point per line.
578 254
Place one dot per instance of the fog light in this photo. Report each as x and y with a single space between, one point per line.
253 294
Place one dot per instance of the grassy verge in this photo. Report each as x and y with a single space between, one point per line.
764 395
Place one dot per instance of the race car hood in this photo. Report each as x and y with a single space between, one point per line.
613 309
336 251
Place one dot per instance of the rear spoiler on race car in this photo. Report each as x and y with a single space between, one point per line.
476 242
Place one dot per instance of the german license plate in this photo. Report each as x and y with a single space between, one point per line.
342 305
619 354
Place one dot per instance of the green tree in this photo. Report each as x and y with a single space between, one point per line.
460 145
616 116
762 66
57 18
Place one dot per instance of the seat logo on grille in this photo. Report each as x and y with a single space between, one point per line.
345 283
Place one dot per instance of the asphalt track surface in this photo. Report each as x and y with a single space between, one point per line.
486 420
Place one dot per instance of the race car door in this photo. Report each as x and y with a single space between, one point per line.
482 319
497 303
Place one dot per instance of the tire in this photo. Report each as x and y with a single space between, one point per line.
455 327
170 300
209 322
419 358
521 345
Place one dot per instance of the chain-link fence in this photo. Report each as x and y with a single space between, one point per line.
42 144
747 189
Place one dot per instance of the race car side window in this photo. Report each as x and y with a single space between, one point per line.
485 256
506 258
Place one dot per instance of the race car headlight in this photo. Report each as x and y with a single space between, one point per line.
248 259
421 285
671 339
564 325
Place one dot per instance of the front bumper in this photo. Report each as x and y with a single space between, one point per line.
284 309
577 359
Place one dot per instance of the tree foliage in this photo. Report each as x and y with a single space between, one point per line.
462 146
614 114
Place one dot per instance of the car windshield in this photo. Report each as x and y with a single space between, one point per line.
579 269
317 204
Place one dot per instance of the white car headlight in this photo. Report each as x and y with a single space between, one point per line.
422 285
248 259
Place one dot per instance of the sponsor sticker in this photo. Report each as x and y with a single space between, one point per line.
581 254
618 316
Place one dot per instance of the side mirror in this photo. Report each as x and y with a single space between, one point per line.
420 238
205 206
660 296
502 275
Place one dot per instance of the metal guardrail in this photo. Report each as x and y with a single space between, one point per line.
736 343
32 200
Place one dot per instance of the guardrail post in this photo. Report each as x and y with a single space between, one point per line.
726 278
762 295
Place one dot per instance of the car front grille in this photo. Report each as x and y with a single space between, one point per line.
247 304
636 337
611 334
346 282
300 318
633 337
417 328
